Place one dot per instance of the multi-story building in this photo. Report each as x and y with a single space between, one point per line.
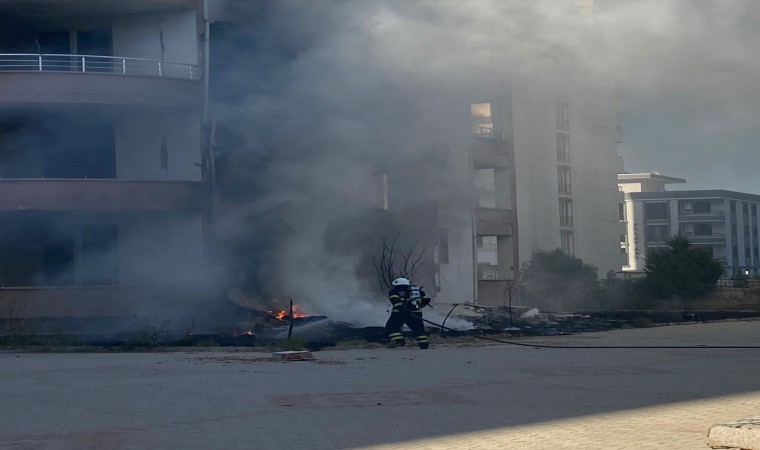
101 193
551 140
478 247
724 223
566 164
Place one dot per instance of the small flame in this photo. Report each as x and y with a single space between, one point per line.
283 314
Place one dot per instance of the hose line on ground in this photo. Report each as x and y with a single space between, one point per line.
523 344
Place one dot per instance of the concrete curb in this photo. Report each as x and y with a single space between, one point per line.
743 434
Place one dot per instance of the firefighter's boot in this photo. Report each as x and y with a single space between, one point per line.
397 340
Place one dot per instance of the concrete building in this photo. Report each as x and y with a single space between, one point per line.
724 223
478 248
566 163
551 173
101 192
544 164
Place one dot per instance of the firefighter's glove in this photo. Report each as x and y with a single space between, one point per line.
425 302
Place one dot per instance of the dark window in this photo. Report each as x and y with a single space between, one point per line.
746 252
94 42
564 181
56 146
657 233
565 213
733 206
655 210
707 249
745 208
756 251
735 251
55 42
733 229
567 241
754 209
702 229
621 212
563 147
701 207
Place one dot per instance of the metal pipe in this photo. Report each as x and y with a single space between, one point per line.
290 327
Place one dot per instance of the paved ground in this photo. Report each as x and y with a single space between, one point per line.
476 397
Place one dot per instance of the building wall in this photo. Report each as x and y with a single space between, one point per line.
141 137
596 197
594 165
456 277
536 169
142 35
455 214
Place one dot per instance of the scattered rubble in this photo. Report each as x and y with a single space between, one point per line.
293 355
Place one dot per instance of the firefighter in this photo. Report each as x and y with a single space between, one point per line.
407 301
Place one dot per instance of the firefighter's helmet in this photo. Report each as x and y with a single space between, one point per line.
401 282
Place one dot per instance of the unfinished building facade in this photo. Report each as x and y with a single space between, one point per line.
101 193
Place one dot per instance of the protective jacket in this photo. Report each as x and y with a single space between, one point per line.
406 302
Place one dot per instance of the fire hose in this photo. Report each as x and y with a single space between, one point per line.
524 344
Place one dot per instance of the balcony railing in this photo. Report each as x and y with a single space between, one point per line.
487 133
30 62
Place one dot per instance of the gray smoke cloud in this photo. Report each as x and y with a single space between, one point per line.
686 75
319 97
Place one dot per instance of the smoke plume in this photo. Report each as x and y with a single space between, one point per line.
315 99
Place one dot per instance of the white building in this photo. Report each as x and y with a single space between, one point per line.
724 223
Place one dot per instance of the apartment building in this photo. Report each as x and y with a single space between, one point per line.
724 223
478 246
550 171
101 173
566 164
543 161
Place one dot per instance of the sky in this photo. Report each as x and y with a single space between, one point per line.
687 77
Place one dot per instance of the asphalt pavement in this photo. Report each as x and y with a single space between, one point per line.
449 397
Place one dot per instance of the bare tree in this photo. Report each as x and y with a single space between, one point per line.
392 261
510 292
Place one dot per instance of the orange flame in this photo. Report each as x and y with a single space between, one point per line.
283 314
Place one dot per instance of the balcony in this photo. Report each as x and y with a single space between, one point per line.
46 78
712 216
490 154
494 222
715 238
99 195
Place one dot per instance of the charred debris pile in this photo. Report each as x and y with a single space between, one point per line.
246 327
